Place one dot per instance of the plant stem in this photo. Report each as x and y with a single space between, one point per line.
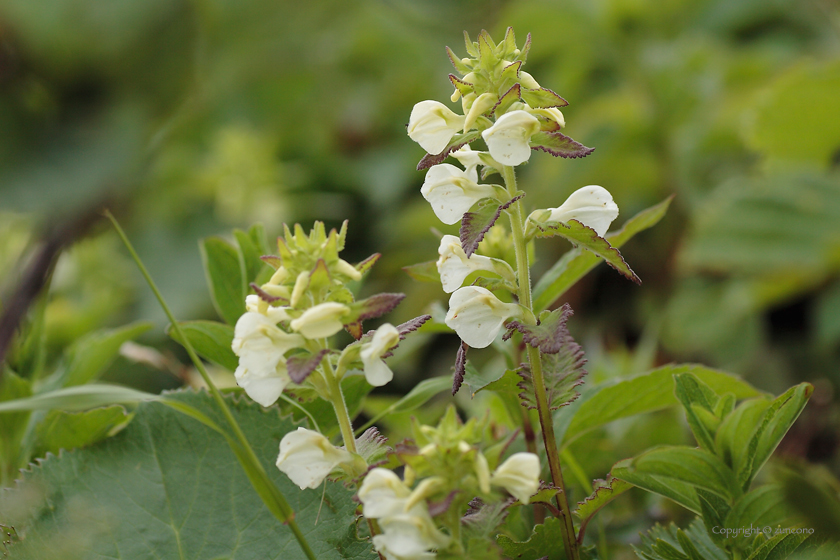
280 507
337 399
546 422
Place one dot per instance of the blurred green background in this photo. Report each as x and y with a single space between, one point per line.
203 115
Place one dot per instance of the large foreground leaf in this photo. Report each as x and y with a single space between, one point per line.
168 487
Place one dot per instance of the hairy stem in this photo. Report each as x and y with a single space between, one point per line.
275 501
546 422
337 399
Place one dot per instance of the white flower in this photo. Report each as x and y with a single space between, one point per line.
519 475
410 535
377 372
321 321
551 113
307 457
508 138
452 192
260 346
383 494
481 105
454 266
592 206
432 125
257 305
469 158
477 315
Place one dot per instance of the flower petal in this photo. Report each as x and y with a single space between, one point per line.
592 206
452 192
432 125
477 315
508 138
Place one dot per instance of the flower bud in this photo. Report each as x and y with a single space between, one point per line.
519 475
452 192
307 457
592 206
528 80
484 103
477 315
508 139
321 321
432 125
377 372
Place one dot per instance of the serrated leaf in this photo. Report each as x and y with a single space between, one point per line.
508 98
210 339
224 278
682 468
459 369
365 266
643 393
88 357
778 419
558 144
478 379
695 533
546 541
605 491
764 506
576 263
779 547
482 520
69 430
372 446
508 383
586 237
475 224
300 366
458 141
456 62
550 334
169 487
544 98
424 272
373 307
462 86
562 370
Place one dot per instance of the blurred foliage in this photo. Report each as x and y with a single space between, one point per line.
211 114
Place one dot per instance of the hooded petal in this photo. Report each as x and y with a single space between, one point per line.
452 191
307 457
477 315
377 372
263 389
454 266
409 535
519 475
383 494
432 125
508 139
592 206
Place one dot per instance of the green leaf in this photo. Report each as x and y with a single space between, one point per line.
480 379
764 506
81 397
605 492
69 430
545 98
476 223
424 272
586 237
558 144
170 487
699 402
13 389
777 420
813 494
652 547
674 472
545 542
210 339
224 278
647 392
736 430
250 251
417 397
576 263
779 547
89 356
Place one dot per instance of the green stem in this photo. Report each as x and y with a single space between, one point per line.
276 503
337 399
546 421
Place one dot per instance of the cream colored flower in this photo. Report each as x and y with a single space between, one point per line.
508 139
454 266
592 206
452 191
477 315
377 372
519 475
260 346
307 457
409 536
383 494
321 321
432 125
